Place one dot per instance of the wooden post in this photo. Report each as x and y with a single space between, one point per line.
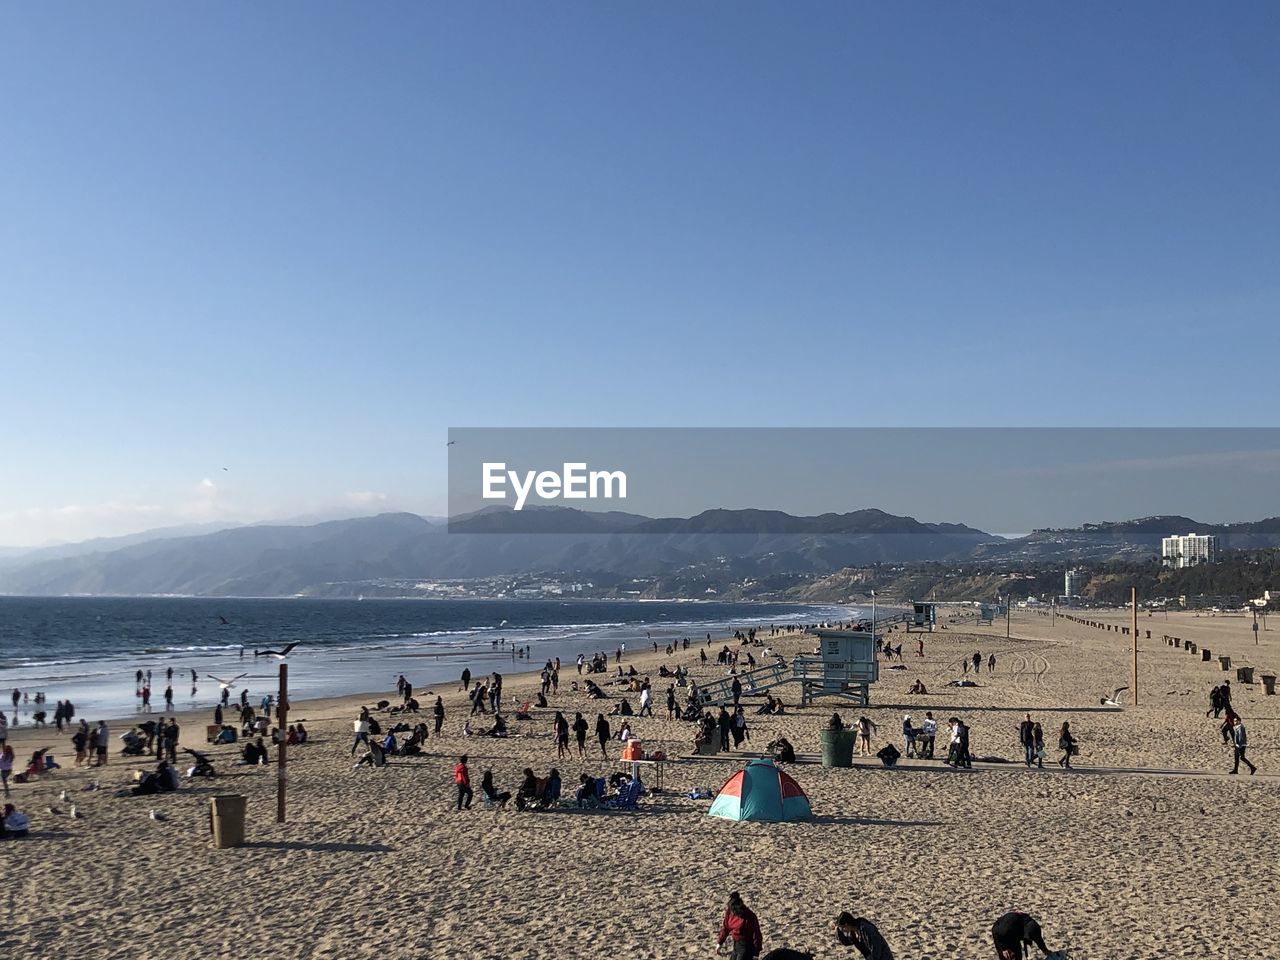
1133 599
282 716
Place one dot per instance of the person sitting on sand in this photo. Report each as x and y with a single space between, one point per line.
624 732
14 823
1013 933
782 751
499 728
530 789
622 709
586 790
918 687
490 792
862 935
254 753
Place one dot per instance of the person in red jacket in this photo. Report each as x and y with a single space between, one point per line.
463 779
741 925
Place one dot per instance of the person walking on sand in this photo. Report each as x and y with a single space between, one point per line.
862 935
580 733
977 662
740 926
462 778
725 722
991 663
1027 737
1240 740
466 679
603 733
908 737
866 727
1067 744
6 767
438 710
1037 734
646 700
1013 932
360 727
671 701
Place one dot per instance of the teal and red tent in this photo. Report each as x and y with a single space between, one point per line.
761 791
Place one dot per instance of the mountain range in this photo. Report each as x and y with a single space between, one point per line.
353 556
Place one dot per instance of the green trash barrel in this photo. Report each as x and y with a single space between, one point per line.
837 748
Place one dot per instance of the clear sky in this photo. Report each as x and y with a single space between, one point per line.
301 240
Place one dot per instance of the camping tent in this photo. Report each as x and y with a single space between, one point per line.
760 791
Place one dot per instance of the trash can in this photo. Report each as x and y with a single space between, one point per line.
837 748
1205 655
1244 674
1191 646
1226 662
1269 684
226 820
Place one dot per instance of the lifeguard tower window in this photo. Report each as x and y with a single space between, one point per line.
923 617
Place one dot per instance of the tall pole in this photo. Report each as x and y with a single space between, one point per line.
1008 615
1133 599
282 764
873 616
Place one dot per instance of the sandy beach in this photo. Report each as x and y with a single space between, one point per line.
1148 850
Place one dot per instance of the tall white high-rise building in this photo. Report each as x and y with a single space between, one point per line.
1074 583
1189 551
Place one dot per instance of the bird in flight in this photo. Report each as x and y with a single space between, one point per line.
1114 699
451 443
278 654
226 684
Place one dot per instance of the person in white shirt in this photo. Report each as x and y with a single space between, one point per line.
928 731
361 728
646 701
15 822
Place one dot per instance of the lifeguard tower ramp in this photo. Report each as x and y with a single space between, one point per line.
845 667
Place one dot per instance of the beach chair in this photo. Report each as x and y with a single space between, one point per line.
626 799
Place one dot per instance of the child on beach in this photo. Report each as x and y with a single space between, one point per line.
462 778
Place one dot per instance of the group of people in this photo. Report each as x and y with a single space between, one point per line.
740 932
1232 729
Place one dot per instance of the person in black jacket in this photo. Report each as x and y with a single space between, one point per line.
863 936
1013 932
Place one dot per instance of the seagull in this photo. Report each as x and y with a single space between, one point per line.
76 814
63 797
55 811
1114 699
278 654
91 785
157 815
451 443
226 684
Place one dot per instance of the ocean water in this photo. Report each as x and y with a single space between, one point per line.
88 649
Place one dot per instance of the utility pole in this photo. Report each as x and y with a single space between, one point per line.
282 762
1133 599
1008 615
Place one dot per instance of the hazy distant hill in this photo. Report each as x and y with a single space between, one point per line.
336 557
287 560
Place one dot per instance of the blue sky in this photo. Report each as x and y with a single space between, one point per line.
300 241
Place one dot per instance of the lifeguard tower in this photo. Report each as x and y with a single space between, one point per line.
923 617
845 666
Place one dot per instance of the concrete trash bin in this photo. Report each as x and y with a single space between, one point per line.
1205 655
1226 662
226 820
1244 674
1269 684
837 747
